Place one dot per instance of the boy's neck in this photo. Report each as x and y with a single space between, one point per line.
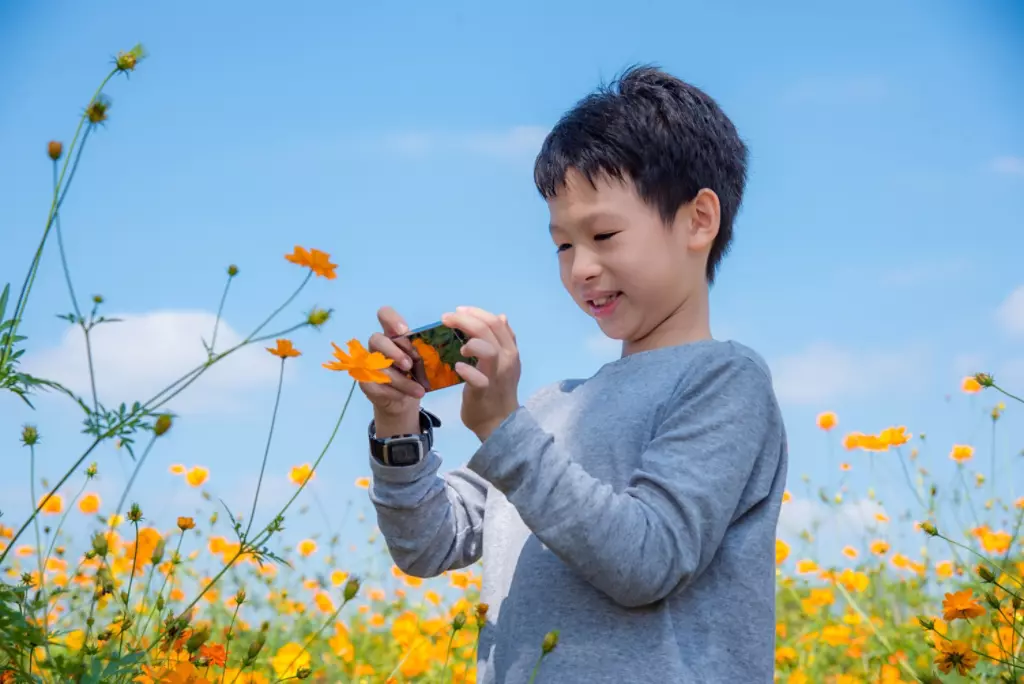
690 322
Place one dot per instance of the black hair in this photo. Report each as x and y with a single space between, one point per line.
667 136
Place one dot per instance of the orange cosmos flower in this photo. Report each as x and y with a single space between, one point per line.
970 385
307 547
827 420
301 473
894 436
955 654
961 605
89 504
197 476
961 453
360 363
185 524
216 654
781 551
177 469
53 504
284 349
363 482
879 547
315 260
849 552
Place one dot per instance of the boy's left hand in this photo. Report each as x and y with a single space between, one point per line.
492 388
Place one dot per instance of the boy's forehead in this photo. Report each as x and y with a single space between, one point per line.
580 201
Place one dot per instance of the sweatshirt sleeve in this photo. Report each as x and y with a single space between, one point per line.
664 528
431 523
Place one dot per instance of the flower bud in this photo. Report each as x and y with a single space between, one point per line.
927 623
929 528
54 150
135 513
351 589
29 435
550 641
232 270
185 524
459 621
303 673
162 425
985 574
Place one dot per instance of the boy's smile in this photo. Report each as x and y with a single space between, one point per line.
641 280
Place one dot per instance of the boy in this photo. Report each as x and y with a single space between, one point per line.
634 511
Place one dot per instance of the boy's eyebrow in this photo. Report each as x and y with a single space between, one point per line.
587 220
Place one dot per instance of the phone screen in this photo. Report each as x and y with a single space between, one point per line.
434 350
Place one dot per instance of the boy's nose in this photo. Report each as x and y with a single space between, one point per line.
584 267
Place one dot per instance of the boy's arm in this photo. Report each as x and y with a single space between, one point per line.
431 523
640 544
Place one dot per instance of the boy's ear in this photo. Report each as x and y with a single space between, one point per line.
705 217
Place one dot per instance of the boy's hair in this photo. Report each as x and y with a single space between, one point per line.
667 136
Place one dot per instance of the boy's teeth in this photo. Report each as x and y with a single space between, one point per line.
603 300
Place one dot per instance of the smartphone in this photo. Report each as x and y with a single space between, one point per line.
434 350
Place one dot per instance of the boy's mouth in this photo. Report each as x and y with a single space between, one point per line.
602 306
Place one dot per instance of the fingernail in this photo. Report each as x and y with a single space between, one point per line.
402 329
405 364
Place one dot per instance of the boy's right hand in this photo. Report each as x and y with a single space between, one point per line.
396 405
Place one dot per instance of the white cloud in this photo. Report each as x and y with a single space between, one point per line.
144 353
1010 313
836 523
515 143
824 372
852 90
1010 165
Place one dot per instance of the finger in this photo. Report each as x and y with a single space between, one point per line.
470 324
497 324
473 377
480 348
390 348
511 332
391 322
403 384
379 393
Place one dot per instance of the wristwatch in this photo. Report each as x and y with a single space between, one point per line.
404 450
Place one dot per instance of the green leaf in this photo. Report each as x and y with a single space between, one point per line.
3 299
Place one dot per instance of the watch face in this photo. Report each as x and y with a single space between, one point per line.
404 453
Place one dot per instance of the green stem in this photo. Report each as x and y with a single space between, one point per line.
143 409
266 449
1011 396
998 567
128 594
227 643
447 654
135 473
316 635
63 256
281 308
536 668
92 372
220 310
910 483
167 577
263 535
39 555
26 287
874 629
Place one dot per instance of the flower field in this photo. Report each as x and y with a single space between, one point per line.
217 596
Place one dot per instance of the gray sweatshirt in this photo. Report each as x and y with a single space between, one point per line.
634 511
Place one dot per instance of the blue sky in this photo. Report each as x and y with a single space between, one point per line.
876 262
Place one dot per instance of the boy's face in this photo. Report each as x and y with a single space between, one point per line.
622 265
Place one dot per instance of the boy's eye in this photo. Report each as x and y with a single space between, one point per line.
603 236
564 246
